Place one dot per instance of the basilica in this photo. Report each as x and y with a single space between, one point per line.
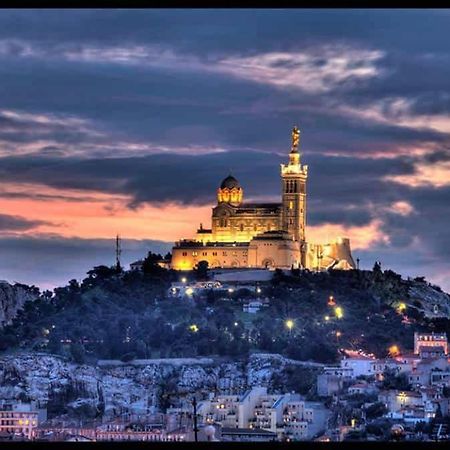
262 235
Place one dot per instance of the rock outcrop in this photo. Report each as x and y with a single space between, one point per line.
429 299
82 391
12 299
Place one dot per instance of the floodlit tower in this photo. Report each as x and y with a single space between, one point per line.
294 175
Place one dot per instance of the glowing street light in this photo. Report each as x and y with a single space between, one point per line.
289 324
401 307
183 280
327 318
394 350
338 334
193 328
236 324
189 291
230 290
339 312
258 290
331 301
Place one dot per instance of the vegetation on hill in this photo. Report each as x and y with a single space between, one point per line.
114 314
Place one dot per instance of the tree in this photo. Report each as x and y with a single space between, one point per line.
127 357
78 353
376 410
101 272
393 381
54 344
377 267
151 264
141 349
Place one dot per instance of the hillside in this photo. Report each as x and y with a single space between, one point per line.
127 315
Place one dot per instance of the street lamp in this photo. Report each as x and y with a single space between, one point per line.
339 312
394 350
183 280
289 324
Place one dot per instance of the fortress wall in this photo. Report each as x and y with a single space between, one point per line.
186 258
276 253
337 250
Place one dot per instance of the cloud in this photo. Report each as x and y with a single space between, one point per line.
314 69
402 208
49 262
399 111
62 135
434 175
11 223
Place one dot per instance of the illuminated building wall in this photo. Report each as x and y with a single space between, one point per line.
430 341
262 235
18 419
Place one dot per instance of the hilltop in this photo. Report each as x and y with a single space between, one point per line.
126 315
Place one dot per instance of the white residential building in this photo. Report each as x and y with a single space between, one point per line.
20 419
286 415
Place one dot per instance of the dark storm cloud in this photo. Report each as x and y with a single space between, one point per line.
16 223
194 179
215 30
432 220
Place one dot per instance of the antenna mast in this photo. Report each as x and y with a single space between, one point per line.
118 253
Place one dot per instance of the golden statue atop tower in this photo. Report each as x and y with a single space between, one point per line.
295 139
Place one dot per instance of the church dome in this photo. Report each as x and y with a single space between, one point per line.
230 191
230 182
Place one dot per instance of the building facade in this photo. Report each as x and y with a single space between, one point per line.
18 419
286 416
262 235
430 344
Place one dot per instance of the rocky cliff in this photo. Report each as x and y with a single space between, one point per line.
73 391
12 299
429 299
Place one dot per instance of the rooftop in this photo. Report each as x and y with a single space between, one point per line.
252 431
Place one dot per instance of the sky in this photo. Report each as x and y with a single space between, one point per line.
126 121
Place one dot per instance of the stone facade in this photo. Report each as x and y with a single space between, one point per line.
262 235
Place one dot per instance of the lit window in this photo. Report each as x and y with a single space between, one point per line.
291 205
194 253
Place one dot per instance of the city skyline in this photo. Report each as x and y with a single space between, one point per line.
126 121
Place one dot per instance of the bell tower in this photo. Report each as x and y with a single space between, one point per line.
294 175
